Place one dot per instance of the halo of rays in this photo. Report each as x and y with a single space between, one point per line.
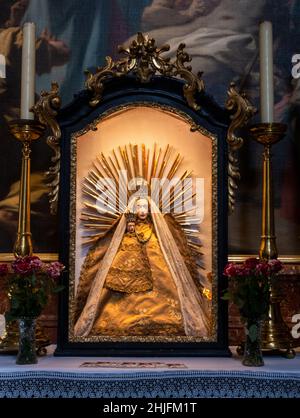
106 190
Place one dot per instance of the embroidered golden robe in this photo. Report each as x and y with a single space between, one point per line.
139 297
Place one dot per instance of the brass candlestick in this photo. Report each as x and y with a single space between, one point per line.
25 131
275 333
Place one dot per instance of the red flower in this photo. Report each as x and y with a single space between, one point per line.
21 265
275 266
54 269
251 263
3 269
243 271
26 265
263 268
230 270
35 263
253 267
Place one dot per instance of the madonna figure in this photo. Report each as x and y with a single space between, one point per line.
141 279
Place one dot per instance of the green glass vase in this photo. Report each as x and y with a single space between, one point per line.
252 350
27 347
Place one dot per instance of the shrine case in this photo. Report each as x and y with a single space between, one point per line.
142 184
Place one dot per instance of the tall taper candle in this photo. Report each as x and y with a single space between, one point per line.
266 72
28 71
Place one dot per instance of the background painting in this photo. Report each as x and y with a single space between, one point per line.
222 38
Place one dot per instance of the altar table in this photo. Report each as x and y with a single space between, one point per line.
55 377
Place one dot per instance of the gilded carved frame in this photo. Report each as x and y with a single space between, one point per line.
72 254
184 344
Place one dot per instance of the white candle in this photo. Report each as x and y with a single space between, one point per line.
266 72
28 71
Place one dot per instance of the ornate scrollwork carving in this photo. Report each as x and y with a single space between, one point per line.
194 83
242 111
238 104
234 176
143 59
46 110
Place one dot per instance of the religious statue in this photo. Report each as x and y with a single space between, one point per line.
140 278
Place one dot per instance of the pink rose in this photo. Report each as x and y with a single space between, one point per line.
251 263
54 269
262 268
3 269
230 270
35 263
27 265
21 265
243 271
275 266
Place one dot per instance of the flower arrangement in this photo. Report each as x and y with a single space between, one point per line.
250 285
29 283
250 292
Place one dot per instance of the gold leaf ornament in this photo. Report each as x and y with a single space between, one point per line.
143 58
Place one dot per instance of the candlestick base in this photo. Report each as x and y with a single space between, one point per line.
276 336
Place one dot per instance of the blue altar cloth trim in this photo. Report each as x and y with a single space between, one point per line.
164 384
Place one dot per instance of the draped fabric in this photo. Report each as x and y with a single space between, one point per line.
190 301
173 306
152 312
85 322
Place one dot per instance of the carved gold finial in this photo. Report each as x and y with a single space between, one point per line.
242 111
144 59
46 110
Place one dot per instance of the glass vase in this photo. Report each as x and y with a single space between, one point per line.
252 350
27 348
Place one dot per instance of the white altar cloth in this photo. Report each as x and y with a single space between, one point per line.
203 377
